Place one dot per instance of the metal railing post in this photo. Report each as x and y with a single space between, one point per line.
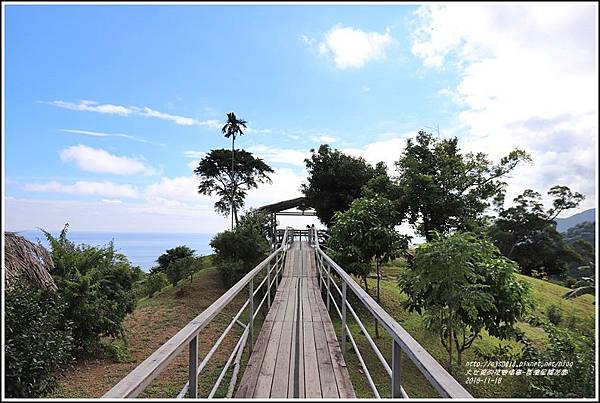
344 319
269 267
251 310
321 274
328 285
396 385
193 368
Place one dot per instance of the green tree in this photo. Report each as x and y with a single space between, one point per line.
231 181
334 180
239 251
464 285
171 255
365 233
233 128
155 282
181 268
585 231
444 190
527 233
38 341
97 285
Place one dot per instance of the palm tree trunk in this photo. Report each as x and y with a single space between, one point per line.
232 178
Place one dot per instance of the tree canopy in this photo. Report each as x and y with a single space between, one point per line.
464 285
231 181
527 233
365 232
445 190
334 180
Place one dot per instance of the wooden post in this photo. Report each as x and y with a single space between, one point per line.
396 385
193 368
251 320
344 319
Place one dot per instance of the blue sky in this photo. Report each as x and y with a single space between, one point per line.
108 108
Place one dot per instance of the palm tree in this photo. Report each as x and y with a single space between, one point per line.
232 128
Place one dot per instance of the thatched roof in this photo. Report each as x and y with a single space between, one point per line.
300 203
27 260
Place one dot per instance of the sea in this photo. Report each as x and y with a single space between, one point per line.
142 249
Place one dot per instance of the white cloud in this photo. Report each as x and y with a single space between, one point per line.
324 139
279 155
101 161
352 47
388 151
180 188
194 154
104 189
104 134
92 106
285 185
527 79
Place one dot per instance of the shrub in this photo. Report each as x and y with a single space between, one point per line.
97 285
181 268
239 251
155 282
564 346
38 342
554 314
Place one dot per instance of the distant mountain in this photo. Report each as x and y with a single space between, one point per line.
563 224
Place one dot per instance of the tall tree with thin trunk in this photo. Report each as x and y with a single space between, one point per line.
233 128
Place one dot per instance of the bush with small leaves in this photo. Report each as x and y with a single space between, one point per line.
38 341
554 314
155 282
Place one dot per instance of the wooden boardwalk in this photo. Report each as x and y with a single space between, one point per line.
297 354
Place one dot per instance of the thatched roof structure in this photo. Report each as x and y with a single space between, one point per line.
28 261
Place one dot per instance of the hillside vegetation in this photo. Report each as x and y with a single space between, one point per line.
577 313
152 323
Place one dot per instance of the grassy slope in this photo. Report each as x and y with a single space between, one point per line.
154 321
157 319
581 310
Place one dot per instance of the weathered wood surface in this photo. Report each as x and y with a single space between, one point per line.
297 354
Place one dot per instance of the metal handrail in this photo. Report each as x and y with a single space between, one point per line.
437 376
140 377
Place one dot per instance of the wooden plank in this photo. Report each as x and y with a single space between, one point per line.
340 370
306 309
292 300
311 366
248 382
267 369
279 388
328 383
296 368
278 301
252 371
314 297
